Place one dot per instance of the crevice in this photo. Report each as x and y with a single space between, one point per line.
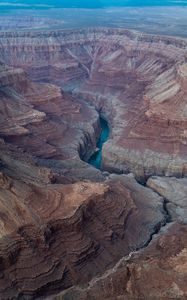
156 231
90 151
160 225
96 159
169 218
129 256
93 161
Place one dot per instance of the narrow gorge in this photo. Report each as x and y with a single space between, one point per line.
86 115
96 158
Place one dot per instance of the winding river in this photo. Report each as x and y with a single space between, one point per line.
96 158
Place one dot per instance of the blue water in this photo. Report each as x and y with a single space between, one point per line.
96 158
18 4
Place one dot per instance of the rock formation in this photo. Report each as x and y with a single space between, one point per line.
138 81
50 127
159 272
62 222
175 192
55 236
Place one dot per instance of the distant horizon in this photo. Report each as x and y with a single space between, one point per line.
46 4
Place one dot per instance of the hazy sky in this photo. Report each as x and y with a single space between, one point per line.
88 3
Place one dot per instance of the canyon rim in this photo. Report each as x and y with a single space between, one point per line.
93 162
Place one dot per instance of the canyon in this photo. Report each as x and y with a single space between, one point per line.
74 227
137 82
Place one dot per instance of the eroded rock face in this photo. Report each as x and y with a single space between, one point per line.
49 128
138 81
56 236
175 192
62 222
52 235
159 272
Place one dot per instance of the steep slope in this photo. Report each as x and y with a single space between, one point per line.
54 236
46 125
159 272
62 222
137 81
174 190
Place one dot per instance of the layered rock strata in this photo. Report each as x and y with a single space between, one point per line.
55 236
138 81
62 222
159 272
48 128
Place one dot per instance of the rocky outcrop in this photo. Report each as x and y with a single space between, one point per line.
44 123
159 272
138 81
15 113
56 236
175 192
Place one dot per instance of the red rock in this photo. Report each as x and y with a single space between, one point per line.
137 80
62 222
54 236
159 272
46 124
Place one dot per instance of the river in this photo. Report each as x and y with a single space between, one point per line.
96 158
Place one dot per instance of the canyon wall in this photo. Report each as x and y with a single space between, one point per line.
138 81
159 272
63 224
49 128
